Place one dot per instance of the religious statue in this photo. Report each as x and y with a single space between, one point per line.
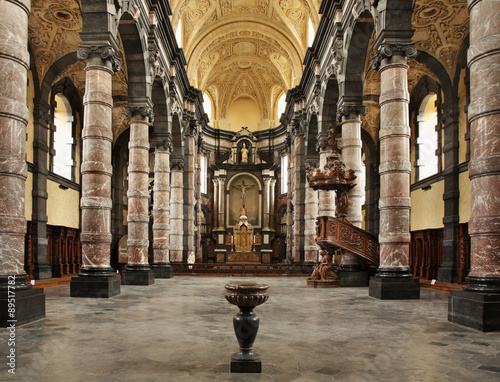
244 153
243 188
324 270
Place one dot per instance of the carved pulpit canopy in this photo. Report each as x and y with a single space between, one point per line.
334 177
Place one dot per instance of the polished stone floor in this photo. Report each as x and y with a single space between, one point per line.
180 330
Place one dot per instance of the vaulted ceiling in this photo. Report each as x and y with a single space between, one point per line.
244 49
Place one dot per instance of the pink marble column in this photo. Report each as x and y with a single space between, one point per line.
14 63
138 271
310 215
484 166
298 186
395 165
351 156
394 279
161 209
96 171
266 196
176 210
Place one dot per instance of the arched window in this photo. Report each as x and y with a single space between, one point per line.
427 163
207 101
284 174
281 105
310 33
203 174
63 140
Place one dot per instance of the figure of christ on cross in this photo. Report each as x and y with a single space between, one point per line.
243 188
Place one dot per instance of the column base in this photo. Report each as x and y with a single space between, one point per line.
137 275
96 283
162 270
394 288
42 272
476 310
29 302
353 278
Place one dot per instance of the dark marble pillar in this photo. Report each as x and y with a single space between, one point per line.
29 303
161 208
478 305
138 271
447 272
394 279
42 269
96 277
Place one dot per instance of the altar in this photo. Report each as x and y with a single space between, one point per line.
243 257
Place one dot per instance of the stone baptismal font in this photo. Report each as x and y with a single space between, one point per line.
246 296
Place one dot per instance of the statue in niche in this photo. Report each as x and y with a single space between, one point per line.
243 188
244 153
324 270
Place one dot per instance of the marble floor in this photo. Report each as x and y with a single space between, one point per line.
180 329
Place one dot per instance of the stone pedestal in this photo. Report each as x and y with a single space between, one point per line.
95 282
246 324
162 270
480 311
29 303
353 278
394 288
137 275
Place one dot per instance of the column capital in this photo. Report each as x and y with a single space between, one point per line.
346 110
144 111
162 143
106 52
177 164
387 50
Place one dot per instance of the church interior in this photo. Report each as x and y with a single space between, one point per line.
345 152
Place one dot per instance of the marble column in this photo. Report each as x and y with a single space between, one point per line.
310 215
351 272
222 203
272 201
161 208
326 199
14 63
298 186
41 122
394 279
96 277
478 305
176 209
138 271
266 196
190 195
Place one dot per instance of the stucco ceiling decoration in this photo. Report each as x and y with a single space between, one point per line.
441 27
53 31
259 42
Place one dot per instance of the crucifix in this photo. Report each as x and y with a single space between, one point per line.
243 188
